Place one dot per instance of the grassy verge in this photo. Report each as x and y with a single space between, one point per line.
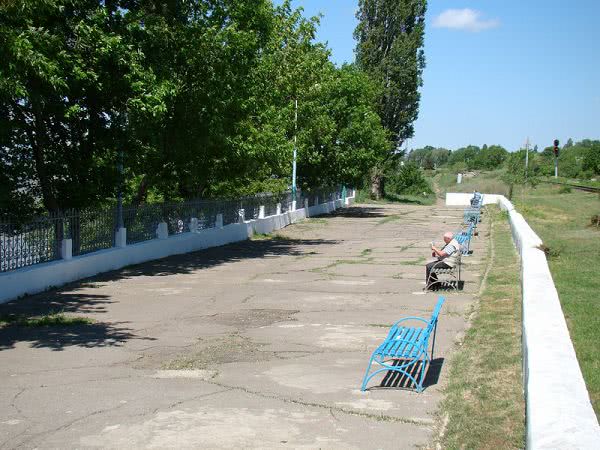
48 320
362 196
484 402
562 220
489 182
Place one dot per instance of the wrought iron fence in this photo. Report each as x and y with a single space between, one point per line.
26 244
39 240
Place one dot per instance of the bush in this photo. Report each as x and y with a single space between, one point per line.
565 190
408 179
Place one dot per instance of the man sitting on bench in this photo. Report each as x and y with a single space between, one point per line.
445 258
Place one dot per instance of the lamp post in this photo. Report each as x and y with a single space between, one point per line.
120 192
295 151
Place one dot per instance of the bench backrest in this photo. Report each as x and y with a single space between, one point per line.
435 314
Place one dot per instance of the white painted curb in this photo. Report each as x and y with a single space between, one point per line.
559 412
41 277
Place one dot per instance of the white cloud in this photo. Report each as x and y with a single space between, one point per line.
464 19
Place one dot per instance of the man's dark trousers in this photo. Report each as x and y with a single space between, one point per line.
438 265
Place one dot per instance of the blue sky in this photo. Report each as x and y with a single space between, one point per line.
497 71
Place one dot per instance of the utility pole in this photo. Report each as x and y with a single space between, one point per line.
295 152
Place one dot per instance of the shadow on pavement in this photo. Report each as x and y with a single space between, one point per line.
68 299
57 337
358 212
401 381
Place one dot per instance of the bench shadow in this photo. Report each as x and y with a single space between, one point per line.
399 380
447 286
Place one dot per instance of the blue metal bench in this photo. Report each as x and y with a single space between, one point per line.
464 239
472 214
405 347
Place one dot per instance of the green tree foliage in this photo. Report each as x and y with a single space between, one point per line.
429 157
408 179
489 158
578 160
390 36
466 156
67 80
198 95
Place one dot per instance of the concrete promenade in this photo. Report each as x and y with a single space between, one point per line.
260 344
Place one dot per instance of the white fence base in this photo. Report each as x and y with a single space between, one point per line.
559 412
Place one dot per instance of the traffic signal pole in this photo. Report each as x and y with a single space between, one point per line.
556 143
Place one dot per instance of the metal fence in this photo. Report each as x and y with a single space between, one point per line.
39 240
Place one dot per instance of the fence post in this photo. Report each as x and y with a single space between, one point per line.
293 205
278 212
241 215
306 206
261 212
194 225
121 238
66 249
219 221
162 231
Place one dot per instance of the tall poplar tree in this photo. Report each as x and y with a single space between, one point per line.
390 36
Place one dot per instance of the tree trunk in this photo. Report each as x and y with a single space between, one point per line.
376 185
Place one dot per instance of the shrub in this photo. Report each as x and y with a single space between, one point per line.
408 179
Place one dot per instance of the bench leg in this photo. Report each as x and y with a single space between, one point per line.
367 377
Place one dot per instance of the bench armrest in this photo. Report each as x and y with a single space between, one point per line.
410 318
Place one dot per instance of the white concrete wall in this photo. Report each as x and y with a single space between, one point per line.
559 412
40 277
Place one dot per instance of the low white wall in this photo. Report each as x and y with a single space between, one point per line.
559 411
40 277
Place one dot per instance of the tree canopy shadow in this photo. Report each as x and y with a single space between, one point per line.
358 212
58 337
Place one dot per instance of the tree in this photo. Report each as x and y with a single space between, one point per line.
390 36
68 82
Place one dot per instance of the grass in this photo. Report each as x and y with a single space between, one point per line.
269 237
391 218
573 246
49 320
486 182
414 262
362 196
484 403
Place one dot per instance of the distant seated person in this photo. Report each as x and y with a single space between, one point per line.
476 199
446 258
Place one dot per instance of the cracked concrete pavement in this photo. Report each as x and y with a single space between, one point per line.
260 344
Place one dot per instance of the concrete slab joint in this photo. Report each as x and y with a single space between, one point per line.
559 411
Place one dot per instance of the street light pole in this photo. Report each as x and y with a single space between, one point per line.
120 193
295 151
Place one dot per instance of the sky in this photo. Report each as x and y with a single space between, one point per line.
498 71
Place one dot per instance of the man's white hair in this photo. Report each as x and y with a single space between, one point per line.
448 234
